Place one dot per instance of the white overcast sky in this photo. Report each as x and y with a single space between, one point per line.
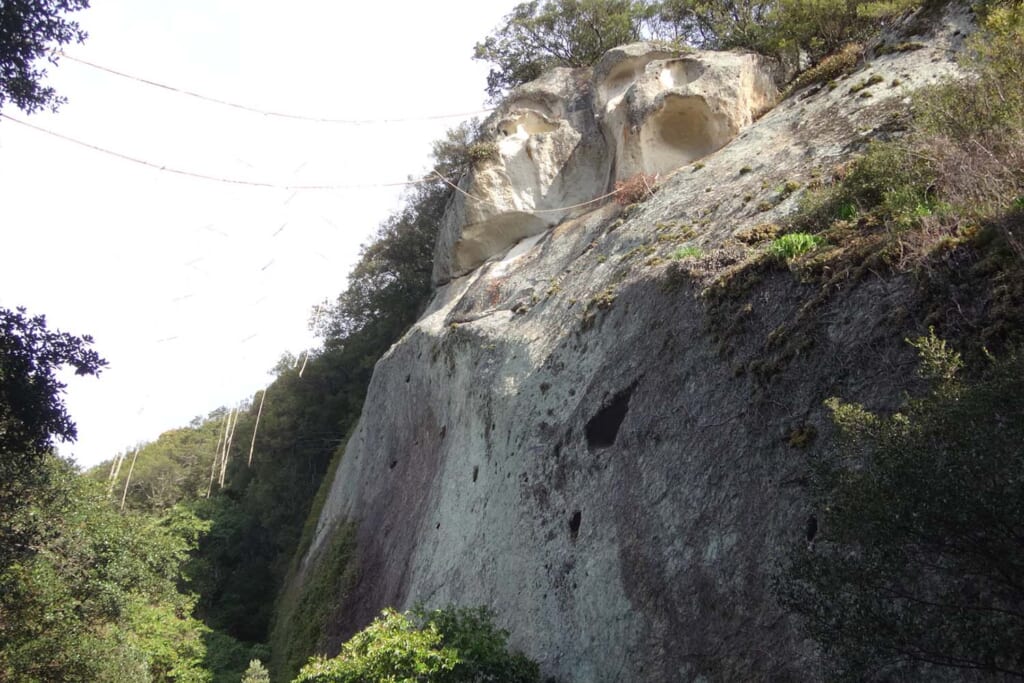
194 289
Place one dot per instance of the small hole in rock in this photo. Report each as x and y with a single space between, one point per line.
574 524
603 428
476 471
438 525
444 430
392 465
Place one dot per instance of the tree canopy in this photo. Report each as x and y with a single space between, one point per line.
574 33
29 32
32 412
539 35
85 592
97 597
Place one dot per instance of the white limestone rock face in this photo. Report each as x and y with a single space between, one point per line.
551 154
566 138
577 436
661 110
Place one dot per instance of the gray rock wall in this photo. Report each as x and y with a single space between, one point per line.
583 436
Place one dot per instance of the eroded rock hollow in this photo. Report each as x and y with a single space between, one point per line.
566 138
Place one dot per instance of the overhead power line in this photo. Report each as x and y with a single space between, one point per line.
255 183
265 112
458 189
205 176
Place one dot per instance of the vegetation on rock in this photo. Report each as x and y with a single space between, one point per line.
917 564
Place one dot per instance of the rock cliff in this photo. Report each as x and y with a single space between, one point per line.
599 441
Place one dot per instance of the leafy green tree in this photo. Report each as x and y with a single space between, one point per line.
32 416
918 564
256 673
32 413
537 36
540 35
454 645
29 31
97 597
722 24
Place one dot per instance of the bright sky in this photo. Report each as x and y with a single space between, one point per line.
193 289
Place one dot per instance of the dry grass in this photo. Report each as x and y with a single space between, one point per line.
635 188
831 67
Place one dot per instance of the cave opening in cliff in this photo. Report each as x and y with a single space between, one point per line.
603 428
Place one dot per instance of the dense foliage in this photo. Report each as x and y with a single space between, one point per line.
32 415
454 645
537 36
97 599
29 31
918 563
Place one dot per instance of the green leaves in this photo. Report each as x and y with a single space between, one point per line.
537 36
32 412
29 32
793 244
96 598
392 648
454 645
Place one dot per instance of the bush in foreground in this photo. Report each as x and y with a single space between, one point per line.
452 645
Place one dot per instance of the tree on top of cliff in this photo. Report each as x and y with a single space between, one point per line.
574 33
538 36
29 31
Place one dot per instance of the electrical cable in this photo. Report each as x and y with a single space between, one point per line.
277 186
562 208
204 176
264 112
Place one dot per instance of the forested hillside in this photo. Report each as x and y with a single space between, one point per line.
177 561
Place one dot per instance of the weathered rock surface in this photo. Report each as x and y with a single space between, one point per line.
576 433
566 138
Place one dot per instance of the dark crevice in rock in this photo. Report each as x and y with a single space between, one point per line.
574 524
603 428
